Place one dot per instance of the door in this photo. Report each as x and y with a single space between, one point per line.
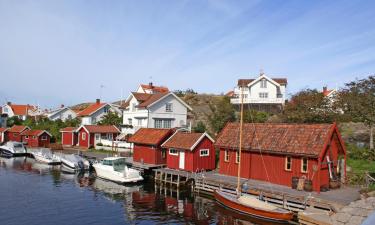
182 160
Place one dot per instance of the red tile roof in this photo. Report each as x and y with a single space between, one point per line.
182 140
18 128
298 139
147 99
244 82
155 88
2 129
327 92
150 136
34 132
101 129
91 109
21 110
68 129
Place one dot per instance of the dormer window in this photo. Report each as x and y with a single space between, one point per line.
169 107
263 83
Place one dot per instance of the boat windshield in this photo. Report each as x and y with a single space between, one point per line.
17 145
119 164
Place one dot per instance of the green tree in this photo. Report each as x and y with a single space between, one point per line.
357 99
14 120
253 116
200 127
220 114
111 118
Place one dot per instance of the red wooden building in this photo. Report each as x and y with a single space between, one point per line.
91 135
190 151
147 145
3 134
278 152
69 136
36 138
14 133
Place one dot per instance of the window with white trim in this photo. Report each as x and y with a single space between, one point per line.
173 151
288 163
97 137
304 167
110 137
226 155
27 137
167 123
134 107
140 122
204 152
263 95
158 123
169 107
44 137
237 157
34 137
83 136
263 83
130 121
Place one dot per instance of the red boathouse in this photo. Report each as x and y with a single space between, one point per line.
278 152
14 133
36 138
147 145
90 135
69 136
190 151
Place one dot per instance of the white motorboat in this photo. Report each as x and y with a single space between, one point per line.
12 148
74 163
115 169
46 156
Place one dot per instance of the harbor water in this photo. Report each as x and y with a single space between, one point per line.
33 193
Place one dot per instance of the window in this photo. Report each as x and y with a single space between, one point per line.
34 137
140 122
15 134
169 107
237 157
130 121
105 110
5 109
97 137
70 117
158 123
163 153
263 95
110 137
204 152
83 136
288 163
26 137
44 138
93 120
173 151
226 155
304 165
263 83
134 107
167 124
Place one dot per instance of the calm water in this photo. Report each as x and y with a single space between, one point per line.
34 193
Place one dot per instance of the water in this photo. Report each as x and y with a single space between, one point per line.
34 193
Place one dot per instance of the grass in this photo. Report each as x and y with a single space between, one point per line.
361 165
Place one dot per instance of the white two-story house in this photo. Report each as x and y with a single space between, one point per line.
20 111
262 93
63 113
95 112
157 110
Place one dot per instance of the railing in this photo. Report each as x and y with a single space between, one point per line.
258 100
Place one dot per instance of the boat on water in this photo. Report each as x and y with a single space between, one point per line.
116 170
13 149
74 163
46 156
248 204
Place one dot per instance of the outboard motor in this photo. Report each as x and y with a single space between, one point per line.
81 165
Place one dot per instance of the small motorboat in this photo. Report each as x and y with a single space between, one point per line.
46 156
115 169
12 149
74 163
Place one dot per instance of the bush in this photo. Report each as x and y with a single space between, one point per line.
99 144
355 152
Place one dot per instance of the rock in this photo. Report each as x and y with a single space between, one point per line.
356 220
337 223
365 213
343 217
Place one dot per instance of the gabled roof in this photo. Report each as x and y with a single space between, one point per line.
147 100
152 99
68 129
150 136
295 139
56 111
183 140
91 109
35 133
328 92
18 128
21 110
100 128
245 82
3 129
155 88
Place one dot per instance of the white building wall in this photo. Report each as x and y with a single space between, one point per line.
64 115
7 110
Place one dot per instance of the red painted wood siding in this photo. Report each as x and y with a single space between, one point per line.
149 154
83 143
35 141
193 160
14 136
67 138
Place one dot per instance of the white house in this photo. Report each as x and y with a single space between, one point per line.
159 110
260 92
21 111
63 113
151 89
95 112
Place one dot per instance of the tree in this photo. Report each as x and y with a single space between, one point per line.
220 114
309 106
357 99
111 118
14 120
253 116
200 127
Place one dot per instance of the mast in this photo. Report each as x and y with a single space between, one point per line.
240 147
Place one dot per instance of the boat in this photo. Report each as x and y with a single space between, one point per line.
12 149
46 156
249 204
74 163
116 170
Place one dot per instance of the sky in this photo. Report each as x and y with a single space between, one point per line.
72 51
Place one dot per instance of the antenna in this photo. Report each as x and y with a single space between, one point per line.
101 91
261 72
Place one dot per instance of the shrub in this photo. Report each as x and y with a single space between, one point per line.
99 144
355 152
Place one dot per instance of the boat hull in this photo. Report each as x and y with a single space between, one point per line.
114 176
222 198
7 153
44 160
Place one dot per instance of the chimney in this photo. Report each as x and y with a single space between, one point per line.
97 101
9 103
151 85
62 105
324 88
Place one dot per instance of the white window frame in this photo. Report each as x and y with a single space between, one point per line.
226 155
139 122
27 137
34 137
238 157
307 165
110 137
204 154
97 137
169 107
130 121
44 138
263 94
170 151
158 123
106 110
286 163
165 122
263 83
83 136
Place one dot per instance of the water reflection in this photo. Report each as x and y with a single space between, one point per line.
143 203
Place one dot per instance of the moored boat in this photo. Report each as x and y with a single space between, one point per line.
12 149
115 169
46 156
74 163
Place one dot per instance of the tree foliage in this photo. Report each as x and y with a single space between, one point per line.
253 116
200 127
181 93
221 113
13 121
111 118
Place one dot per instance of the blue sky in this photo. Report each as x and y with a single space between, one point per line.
54 52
